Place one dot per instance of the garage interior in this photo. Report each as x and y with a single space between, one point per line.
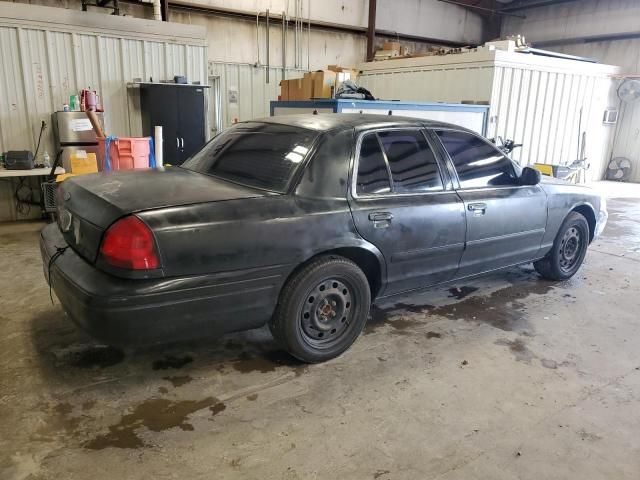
502 376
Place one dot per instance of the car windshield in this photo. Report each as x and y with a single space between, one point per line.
260 155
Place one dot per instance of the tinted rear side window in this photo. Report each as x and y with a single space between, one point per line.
373 176
261 155
478 163
412 163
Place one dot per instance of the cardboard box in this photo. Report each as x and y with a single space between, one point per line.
301 89
83 162
336 68
344 73
295 89
391 46
284 89
323 83
318 84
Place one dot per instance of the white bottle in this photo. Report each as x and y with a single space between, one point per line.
46 160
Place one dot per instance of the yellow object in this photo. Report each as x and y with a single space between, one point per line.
82 163
63 177
544 169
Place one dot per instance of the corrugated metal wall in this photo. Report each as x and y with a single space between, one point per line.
627 138
624 53
43 64
40 69
546 111
533 100
244 93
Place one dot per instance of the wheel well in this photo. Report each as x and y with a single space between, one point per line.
366 260
587 212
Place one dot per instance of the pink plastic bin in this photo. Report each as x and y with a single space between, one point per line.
125 153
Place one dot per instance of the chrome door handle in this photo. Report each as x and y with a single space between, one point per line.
478 209
182 142
177 142
377 216
381 219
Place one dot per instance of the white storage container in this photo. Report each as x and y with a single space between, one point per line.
543 102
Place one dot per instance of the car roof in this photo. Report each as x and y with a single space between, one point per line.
323 122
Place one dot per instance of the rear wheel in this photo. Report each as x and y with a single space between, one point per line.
568 251
322 309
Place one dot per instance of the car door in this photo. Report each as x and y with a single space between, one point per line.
505 220
403 202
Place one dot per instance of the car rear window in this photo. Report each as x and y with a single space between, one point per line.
373 176
412 162
260 155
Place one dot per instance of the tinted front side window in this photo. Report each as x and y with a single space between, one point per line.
478 163
373 176
411 161
262 155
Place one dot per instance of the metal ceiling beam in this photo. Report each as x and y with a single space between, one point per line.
249 16
481 7
607 37
524 5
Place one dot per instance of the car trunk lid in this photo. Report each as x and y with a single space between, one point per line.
89 204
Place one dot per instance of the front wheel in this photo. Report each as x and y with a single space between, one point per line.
322 309
568 251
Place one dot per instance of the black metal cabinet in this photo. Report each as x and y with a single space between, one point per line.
179 109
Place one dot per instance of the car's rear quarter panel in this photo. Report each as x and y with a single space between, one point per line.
562 198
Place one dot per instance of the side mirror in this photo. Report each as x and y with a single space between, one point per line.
530 176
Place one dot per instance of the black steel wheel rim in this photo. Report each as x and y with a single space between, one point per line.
327 313
570 249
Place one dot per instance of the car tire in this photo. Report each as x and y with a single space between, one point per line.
322 309
568 251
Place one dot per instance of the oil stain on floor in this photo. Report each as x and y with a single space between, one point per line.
519 349
178 380
266 361
502 309
461 292
94 356
379 317
157 415
171 362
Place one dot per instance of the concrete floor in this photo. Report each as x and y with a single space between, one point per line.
504 377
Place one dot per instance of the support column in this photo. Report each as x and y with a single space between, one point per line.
371 31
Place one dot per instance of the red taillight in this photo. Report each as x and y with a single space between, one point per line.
128 243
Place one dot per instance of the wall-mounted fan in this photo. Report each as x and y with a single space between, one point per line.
619 169
629 90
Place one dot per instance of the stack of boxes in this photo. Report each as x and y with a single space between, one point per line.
318 84
391 50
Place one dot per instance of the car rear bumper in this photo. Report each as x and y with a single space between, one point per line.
121 311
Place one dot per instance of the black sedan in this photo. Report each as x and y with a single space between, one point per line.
301 222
